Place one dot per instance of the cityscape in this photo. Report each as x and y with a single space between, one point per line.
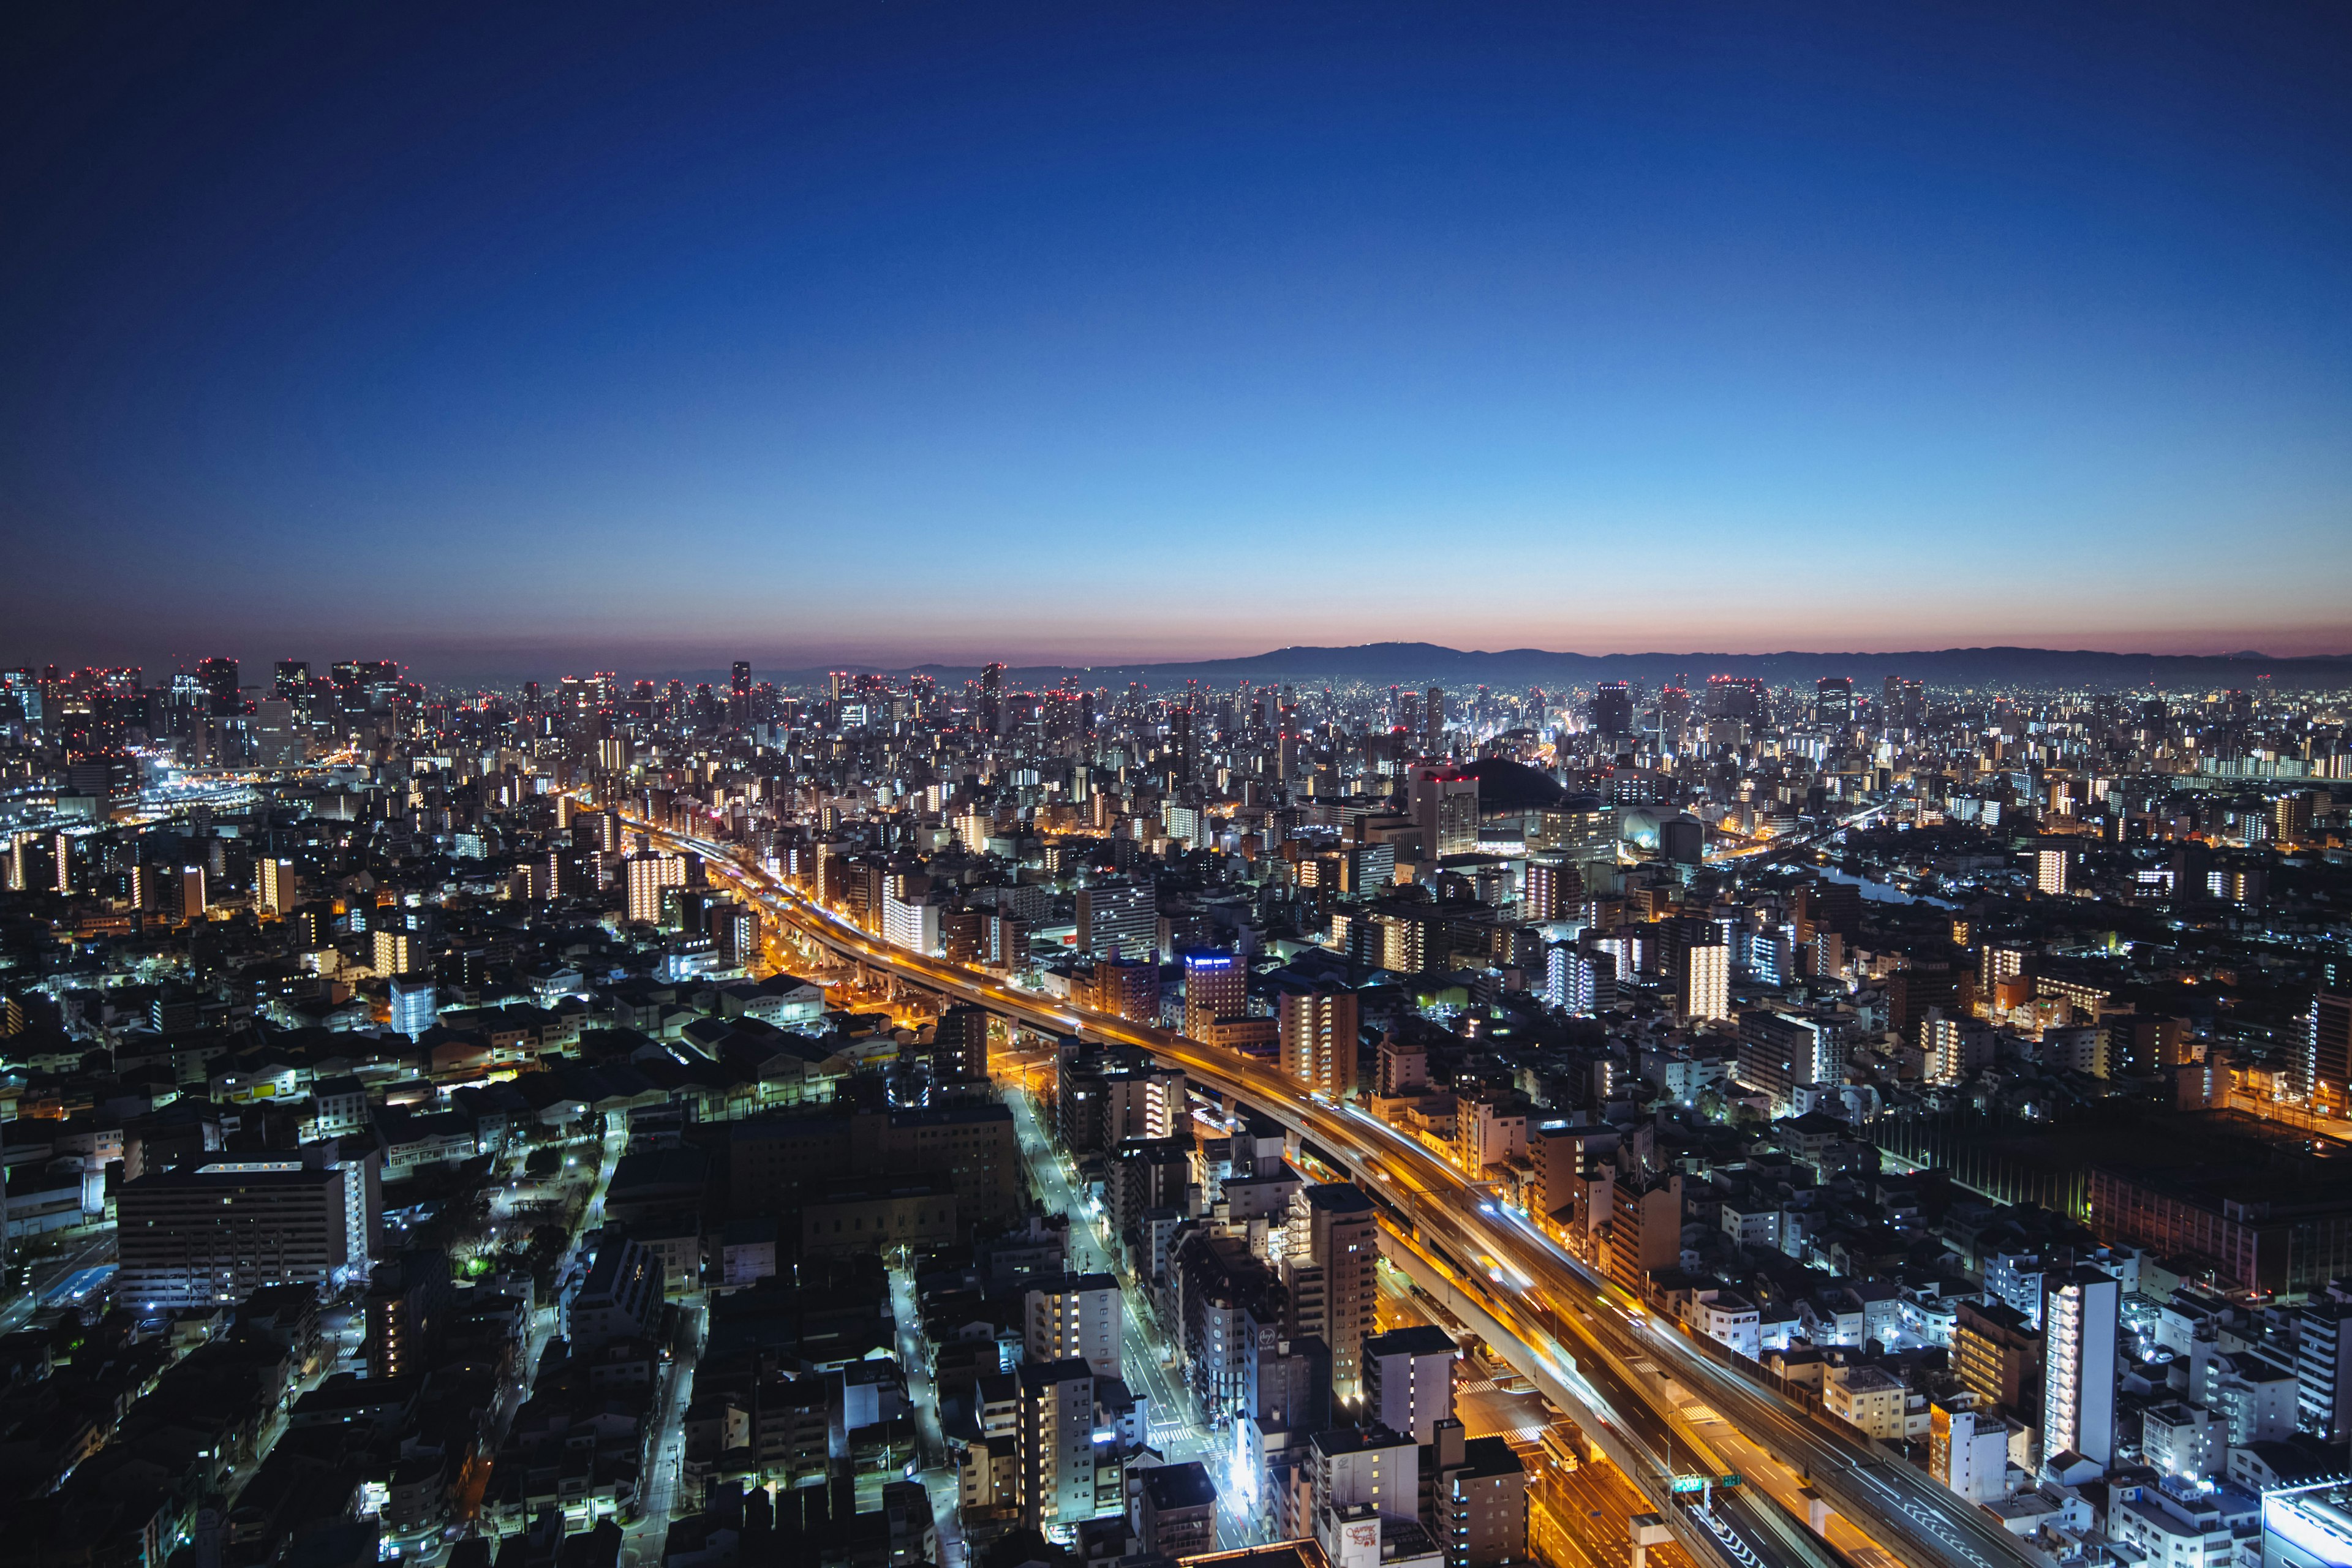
1053 786
859 1116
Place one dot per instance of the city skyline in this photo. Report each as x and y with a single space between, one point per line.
1832 329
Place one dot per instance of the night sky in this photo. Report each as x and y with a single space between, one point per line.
510 339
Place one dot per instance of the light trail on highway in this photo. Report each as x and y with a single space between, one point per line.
1887 1510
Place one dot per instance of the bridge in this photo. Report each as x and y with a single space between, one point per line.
1659 1399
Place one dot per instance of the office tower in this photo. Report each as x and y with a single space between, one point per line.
992 699
1176 1511
217 677
414 1001
1055 1443
1216 986
1902 705
1408 1379
1183 748
1317 1033
1613 709
1736 698
738 695
2050 870
221 1231
1073 1315
1330 1250
1408 716
1833 704
1432 716
1474 1495
281 886
1445 805
2079 1311
192 893
1121 918
647 876
61 862
1703 978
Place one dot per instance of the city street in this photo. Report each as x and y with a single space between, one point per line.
1148 1357
937 1464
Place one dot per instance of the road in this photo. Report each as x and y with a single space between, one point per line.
935 1462
1896 1508
55 1281
1144 1351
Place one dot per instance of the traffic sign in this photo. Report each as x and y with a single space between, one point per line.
1688 1483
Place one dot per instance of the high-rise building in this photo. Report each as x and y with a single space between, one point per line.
1216 985
739 695
414 1000
217 677
647 876
1833 704
1318 1032
2050 870
2328 1047
1997 1356
1445 805
2323 1367
1408 1379
192 893
2080 1306
960 1041
1075 1315
1331 1248
1432 715
1118 917
1128 987
1054 1442
1613 709
218 1233
1703 978
281 885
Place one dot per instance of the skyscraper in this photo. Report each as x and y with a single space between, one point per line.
219 678
1613 709
2079 1310
1833 704
1432 715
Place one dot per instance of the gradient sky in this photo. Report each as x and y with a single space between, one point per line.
503 338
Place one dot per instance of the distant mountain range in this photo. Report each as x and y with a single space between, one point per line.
1427 664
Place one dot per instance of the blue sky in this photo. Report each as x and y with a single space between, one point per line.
1114 331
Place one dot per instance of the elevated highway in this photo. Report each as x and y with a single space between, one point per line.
1559 1313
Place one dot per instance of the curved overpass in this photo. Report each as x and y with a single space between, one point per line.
1552 1300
